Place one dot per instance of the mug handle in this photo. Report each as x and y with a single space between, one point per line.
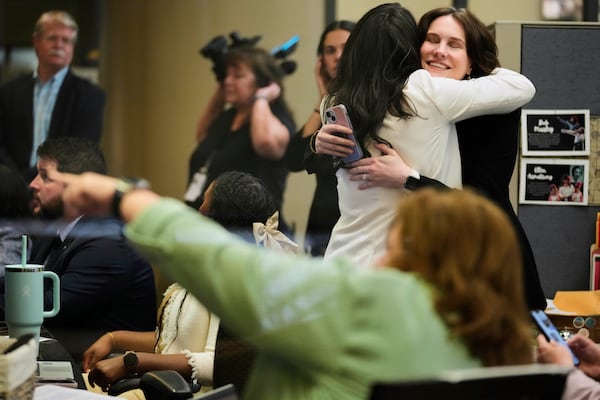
55 294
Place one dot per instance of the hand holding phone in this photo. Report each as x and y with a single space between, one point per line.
339 115
549 331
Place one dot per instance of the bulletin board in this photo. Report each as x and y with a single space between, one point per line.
562 61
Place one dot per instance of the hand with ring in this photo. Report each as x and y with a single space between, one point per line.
386 170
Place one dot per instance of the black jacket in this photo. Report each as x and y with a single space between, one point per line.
78 111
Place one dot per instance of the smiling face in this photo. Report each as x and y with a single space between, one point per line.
444 51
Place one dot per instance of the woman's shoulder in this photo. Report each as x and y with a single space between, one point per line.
419 76
420 81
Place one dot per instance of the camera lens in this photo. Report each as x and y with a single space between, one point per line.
330 116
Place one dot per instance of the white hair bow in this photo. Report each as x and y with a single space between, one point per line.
271 238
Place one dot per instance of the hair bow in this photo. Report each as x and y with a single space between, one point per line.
271 238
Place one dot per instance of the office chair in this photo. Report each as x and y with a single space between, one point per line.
526 382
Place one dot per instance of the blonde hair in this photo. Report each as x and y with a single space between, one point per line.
61 17
466 248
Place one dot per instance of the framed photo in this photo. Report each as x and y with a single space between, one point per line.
555 132
554 182
562 10
594 271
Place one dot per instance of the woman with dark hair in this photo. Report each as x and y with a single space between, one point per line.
252 134
185 337
237 200
488 144
396 105
324 211
15 208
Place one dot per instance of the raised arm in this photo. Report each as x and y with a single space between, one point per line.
237 281
269 135
500 92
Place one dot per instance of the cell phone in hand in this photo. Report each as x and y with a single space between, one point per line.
549 331
339 115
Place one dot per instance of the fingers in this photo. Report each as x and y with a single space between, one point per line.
580 340
96 377
327 142
359 174
332 129
63 177
90 378
541 341
85 364
89 362
366 185
272 91
386 150
89 192
319 68
363 170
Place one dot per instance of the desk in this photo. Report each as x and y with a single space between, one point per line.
52 350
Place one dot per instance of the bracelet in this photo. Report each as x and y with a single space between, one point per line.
317 111
312 142
120 190
112 339
260 96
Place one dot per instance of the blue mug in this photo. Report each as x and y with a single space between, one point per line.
24 298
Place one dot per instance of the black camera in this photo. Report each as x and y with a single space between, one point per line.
282 51
217 48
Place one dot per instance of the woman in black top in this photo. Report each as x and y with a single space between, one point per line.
324 210
252 134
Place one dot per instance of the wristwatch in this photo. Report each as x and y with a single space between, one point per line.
412 180
125 185
130 359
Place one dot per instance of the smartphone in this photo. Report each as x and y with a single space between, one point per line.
339 115
549 331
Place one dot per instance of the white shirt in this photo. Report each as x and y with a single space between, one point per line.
428 143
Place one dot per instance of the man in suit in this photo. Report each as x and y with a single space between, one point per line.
50 103
104 284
